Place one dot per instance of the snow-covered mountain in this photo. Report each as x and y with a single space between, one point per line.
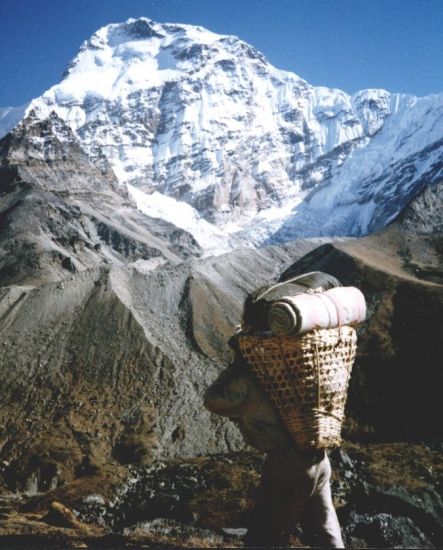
184 115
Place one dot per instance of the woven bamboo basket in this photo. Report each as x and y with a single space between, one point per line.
306 377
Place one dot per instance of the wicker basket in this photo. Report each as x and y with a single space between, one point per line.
306 377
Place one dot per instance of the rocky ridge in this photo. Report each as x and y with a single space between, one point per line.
61 214
400 272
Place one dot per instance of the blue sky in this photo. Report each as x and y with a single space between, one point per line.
347 44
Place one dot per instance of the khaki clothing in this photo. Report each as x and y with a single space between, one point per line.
239 396
295 485
295 489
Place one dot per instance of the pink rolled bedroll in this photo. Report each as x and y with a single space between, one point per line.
330 309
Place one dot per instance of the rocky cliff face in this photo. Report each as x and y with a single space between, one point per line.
205 120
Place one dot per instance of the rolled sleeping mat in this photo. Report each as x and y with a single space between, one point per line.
304 312
349 303
301 313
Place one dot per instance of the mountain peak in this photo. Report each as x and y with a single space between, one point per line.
202 119
141 53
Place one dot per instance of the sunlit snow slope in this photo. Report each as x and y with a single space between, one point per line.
204 119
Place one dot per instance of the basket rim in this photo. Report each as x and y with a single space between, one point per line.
269 334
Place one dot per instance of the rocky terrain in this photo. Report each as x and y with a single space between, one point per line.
386 496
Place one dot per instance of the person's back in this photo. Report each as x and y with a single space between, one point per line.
295 485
